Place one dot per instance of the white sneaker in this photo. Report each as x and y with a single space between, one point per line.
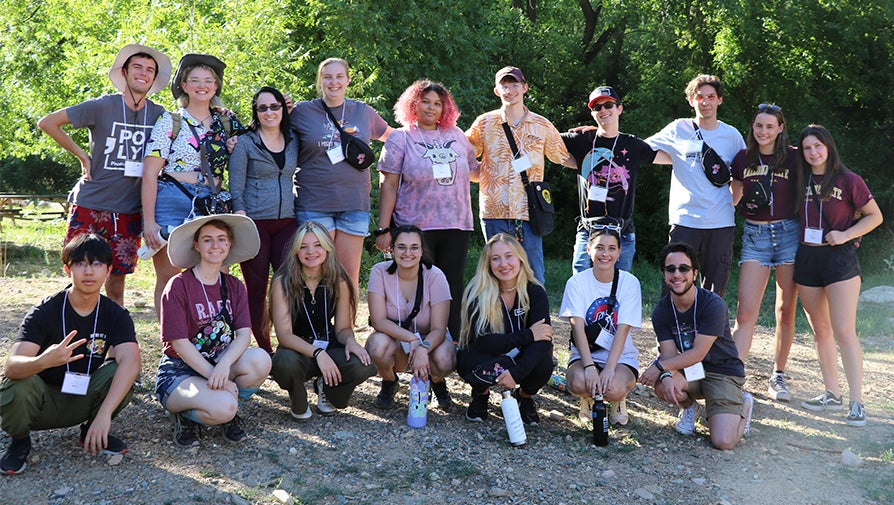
686 424
302 417
747 410
585 413
323 404
618 413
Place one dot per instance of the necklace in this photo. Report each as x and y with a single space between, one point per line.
310 277
508 290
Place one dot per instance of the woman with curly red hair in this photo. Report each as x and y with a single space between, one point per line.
426 167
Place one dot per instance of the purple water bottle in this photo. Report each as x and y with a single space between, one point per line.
417 415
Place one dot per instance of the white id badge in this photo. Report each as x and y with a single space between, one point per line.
321 344
694 148
695 372
440 170
513 352
133 168
597 193
813 235
605 339
335 154
75 383
521 164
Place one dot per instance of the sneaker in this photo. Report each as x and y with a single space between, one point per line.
443 395
184 431
323 404
618 414
527 408
302 417
13 462
385 398
747 410
114 445
585 411
232 431
856 415
778 390
477 411
825 401
686 424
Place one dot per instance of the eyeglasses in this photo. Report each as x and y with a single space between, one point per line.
413 249
599 106
264 108
772 107
83 264
197 82
683 269
510 86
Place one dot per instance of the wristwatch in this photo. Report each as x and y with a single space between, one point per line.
381 231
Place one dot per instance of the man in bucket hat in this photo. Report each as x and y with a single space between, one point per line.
106 199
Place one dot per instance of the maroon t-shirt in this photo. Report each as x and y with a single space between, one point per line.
849 194
783 187
185 313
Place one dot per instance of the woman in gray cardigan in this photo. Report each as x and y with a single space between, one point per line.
261 169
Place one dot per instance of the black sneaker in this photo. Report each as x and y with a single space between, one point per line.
527 407
385 398
443 395
114 446
13 461
477 411
232 431
184 431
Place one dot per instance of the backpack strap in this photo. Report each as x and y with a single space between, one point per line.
176 119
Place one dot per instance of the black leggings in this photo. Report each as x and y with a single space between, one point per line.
535 365
448 249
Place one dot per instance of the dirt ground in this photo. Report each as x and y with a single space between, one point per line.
363 455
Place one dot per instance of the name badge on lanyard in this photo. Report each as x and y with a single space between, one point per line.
133 168
598 193
813 235
335 154
440 170
519 165
694 372
321 344
75 383
694 151
605 339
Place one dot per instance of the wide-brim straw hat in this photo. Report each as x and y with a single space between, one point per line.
162 62
244 246
191 60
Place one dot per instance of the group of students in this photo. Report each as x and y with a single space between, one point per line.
300 207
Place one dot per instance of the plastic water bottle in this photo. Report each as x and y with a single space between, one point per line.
557 382
417 415
512 416
145 252
600 422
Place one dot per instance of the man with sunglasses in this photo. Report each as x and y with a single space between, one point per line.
697 354
502 199
700 213
106 199
609 162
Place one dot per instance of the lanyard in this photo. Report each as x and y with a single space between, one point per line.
92 335
677 322
325 310
816 198
422 137
128 137
332 128
611 161
772 174
207 301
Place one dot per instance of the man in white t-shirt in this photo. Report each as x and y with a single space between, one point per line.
700 213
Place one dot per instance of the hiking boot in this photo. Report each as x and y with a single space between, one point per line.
443 395
184 434
825 401
477 411
618 414
778 390
232 431
323 404
114 445
686 424
13 461
747 410
526 407
856 415
385 398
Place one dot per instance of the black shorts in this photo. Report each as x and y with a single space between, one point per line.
600 367
820 266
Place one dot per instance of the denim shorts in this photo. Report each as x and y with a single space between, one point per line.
771 244
171 372
172 206
352 222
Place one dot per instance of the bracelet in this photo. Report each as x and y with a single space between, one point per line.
590 365
657 364
381 231
664 375
317 352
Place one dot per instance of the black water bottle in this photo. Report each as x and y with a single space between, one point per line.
600 422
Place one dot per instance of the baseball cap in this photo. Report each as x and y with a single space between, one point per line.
513 72
603 93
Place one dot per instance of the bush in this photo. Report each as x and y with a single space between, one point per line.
36 176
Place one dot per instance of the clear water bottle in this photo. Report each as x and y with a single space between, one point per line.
514 425
145 252
417 415
600 422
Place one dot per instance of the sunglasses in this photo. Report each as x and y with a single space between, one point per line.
683 269
264 108
610 227
772 107
599 106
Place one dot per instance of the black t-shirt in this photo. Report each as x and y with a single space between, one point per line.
313 319
43 326
627 154
709 316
